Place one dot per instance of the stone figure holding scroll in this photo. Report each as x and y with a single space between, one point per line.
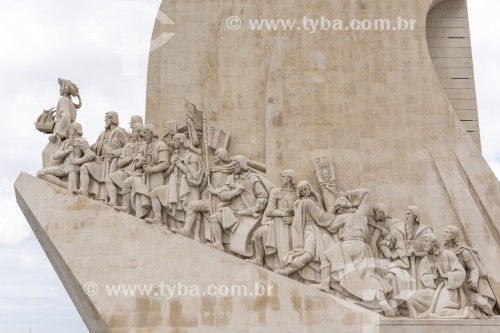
273 240
73 152
108 148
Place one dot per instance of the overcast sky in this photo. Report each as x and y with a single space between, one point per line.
102 46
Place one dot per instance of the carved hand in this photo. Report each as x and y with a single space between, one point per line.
473 284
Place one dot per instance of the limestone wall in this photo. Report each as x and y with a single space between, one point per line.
369 100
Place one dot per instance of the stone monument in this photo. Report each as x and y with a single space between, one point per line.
304 185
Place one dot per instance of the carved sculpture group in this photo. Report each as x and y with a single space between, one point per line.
333 241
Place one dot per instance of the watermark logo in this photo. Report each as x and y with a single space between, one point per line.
312 25
233 23
127 43
179 289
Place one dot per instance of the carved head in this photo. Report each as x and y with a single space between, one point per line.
221 155
304 188
180 140
136 131
75 128
288 176
136 119
412 214
149 132
342 204
380 212
451 233
240 163
431 243
111 118
67 88
170 127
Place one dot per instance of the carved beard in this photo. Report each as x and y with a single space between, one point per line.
409 230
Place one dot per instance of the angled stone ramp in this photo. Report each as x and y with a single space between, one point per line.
91 246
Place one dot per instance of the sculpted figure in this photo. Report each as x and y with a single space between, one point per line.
66 109
379 228
217 175
73 152
150 163
243 200
135 119
404 247
57 120
349 266
126 164
442 277
108 148
309 236
479 294
185 175
273 239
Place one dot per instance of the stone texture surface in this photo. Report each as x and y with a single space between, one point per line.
372 101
